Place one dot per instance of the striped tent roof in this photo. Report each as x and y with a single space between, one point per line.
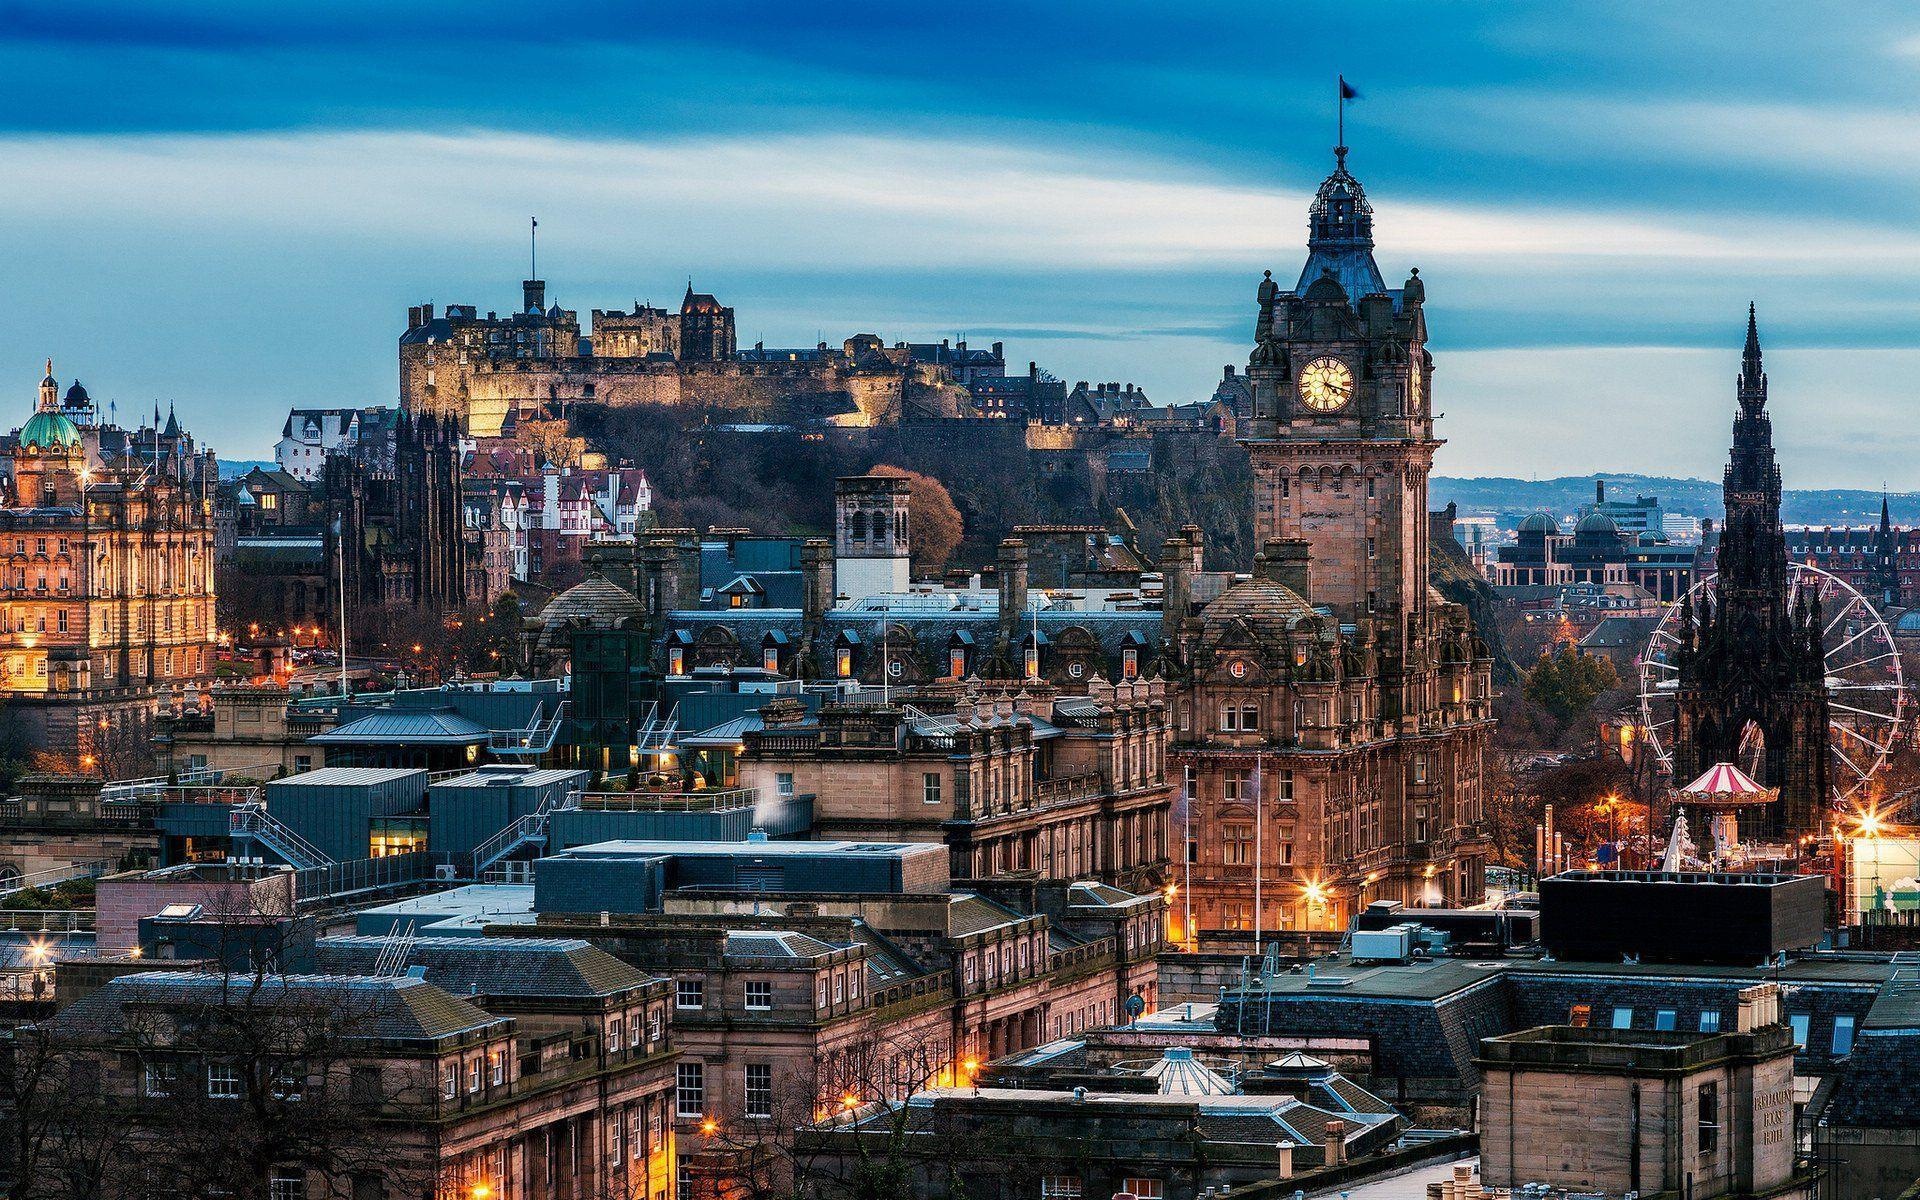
1724 779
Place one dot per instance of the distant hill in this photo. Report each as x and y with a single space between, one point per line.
1692 497
234 468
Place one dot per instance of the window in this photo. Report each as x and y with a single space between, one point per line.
654 1018
614 1030
957 662
690 1089
690 993
613 1135
290 1083
1249 718
473 1077
1145 1189
1623 1018
161 1078
1843 1035
449 1081
783 784
1710 1020
287 1183
759 994
930 787
1709 1104
1229 718
497 1065
1664 1018
677 661
1129 667
769 657
839 987
363 1085
759 1091
1283 784
633 1134
1800 1022
683 1177
1060 1187
1234 788
842 663
1419 768
1237 841
223 1081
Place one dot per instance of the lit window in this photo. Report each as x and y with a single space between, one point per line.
497 1066
1129 669
1144 1189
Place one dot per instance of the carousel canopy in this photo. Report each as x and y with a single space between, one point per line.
1727 784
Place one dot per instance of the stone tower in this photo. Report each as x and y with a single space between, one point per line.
870 536
1342 433
1752 670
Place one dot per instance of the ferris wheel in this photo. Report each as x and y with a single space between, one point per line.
1866 695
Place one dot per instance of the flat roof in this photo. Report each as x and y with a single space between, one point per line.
351 776
1438 978
625 848
536 778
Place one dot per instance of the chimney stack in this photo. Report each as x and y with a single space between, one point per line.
1289 563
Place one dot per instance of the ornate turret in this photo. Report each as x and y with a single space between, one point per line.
1340 235
49 390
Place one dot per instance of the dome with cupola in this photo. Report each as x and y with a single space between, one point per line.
49 431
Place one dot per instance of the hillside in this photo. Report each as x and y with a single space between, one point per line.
1692 497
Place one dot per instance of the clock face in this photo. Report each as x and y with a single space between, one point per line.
1326 384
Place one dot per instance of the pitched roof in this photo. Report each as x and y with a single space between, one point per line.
393 1008
490 966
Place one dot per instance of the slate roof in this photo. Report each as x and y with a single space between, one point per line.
490 966
756 943
968 913
402 1008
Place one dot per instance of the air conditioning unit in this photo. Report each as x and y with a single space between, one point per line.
444 873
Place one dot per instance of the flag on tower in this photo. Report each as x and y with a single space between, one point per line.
1347 90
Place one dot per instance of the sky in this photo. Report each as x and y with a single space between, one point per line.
230 207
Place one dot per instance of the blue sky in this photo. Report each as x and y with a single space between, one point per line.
231 206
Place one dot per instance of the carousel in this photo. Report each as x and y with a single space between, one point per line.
1722 793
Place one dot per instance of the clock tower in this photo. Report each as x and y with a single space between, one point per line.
1342 432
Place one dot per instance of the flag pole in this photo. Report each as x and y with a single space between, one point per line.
1259 850
1340 106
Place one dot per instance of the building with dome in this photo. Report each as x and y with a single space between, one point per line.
1334 709
1613 542
106 595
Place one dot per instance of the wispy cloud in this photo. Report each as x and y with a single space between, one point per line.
820 200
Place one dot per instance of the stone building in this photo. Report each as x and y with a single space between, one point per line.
799 989
496 371
511 1069
107 595
1333 709
399 505
1655 1113
1054 788
1752 667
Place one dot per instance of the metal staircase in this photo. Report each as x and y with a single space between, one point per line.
529 830
251 822
657 731
535 739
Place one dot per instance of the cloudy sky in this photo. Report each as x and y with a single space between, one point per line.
231 208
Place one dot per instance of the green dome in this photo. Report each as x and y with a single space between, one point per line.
50 431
